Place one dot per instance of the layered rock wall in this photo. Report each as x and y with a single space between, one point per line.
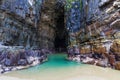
103 17
14 30
98 40
27 23
47 25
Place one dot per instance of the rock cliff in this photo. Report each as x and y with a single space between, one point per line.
98 38
91 25
27 23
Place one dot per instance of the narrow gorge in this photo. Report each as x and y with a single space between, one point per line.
87 31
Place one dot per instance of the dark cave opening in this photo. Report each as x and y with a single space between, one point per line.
61 38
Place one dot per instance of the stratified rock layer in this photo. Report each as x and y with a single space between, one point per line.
98 41
27 23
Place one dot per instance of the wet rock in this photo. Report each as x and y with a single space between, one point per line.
30 60
22 62
88 60
77 59
7 69
36 62
11 58
102 63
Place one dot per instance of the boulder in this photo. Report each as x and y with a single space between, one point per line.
77 59
88 60
22 62
30 60
102 63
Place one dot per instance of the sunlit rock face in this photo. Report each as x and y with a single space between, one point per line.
100 32
74 15
101 18
24 8
89 18
32 22
80 13
18 22
21 25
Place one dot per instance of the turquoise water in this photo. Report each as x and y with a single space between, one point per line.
58 68
55 61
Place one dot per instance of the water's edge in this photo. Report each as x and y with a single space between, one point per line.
58 68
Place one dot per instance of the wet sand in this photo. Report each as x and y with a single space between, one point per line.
60 69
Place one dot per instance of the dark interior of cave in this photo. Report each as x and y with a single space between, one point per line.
61 38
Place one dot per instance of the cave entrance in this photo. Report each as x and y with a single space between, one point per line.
61 36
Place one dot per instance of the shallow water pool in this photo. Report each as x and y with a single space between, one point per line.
58 68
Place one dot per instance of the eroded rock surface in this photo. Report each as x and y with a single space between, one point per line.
28 24
98 41
18 58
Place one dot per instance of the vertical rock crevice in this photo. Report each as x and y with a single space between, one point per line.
61 37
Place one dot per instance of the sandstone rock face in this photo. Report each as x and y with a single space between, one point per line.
99 20
47 25
85 49
22 25
117 65
12 58
27 26
13 33
99 38
102 25
20 57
